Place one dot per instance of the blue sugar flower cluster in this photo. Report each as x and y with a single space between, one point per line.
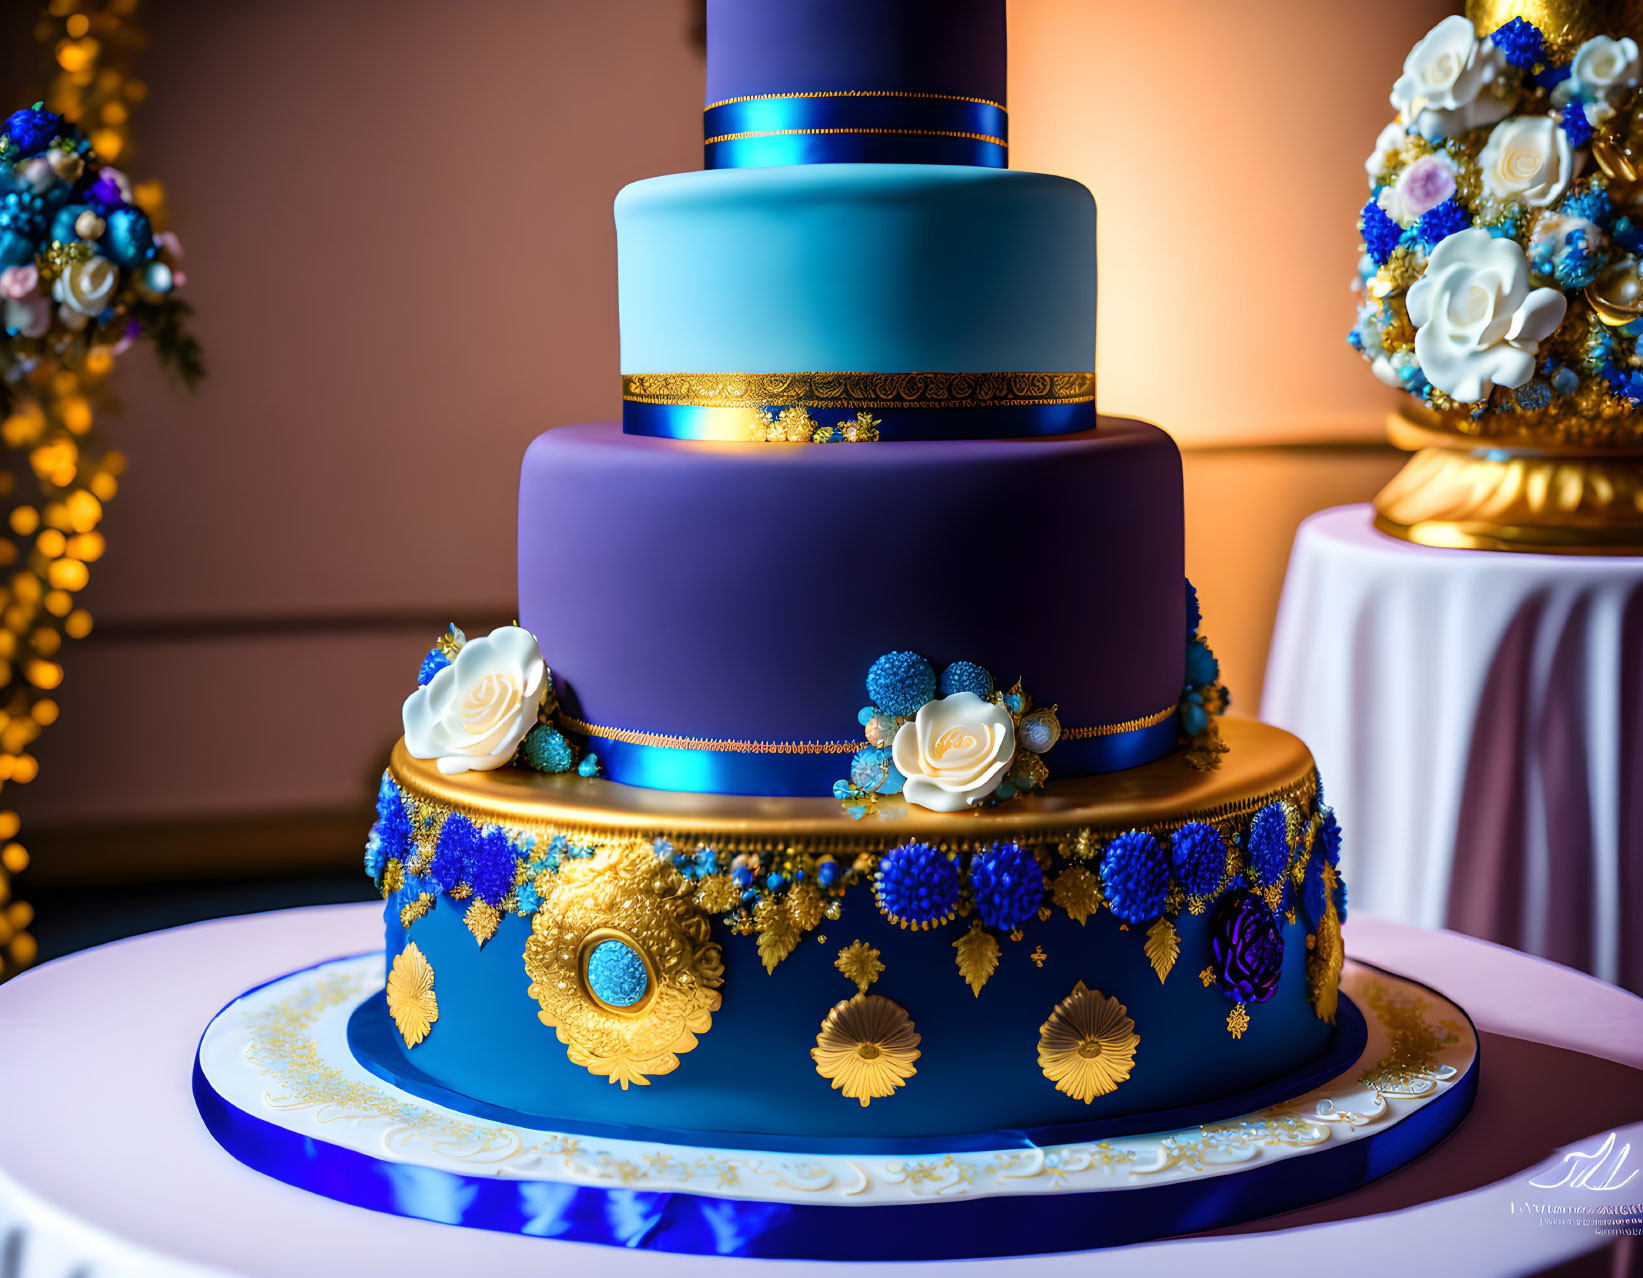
1007 883
1202 694
917 885
1135 873
1198 856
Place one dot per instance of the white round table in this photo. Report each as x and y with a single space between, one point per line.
1477 717
107 1170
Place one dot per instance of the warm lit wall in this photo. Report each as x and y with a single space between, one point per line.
1225 144
399 241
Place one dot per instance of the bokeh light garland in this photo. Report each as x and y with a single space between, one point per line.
87 268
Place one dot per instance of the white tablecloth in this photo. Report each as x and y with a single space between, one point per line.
1477 717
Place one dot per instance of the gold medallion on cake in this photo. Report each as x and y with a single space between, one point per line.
621 964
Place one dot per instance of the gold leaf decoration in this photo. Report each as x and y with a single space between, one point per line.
777 935
411 911
1077 891
624 892
410 993
866 1048
393 876
1087 1047
1323 964
977 956
804 906
1162 947
860 963
482 919
1238 1021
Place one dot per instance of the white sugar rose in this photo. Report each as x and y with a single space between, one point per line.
1600 68
1478 325
473 714
1527 158
954 752
87 286
1449 82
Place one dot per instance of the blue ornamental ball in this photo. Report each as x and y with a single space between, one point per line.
616 974
1198 855
1008 885
1269 844
432 664
1247 948
32 129
493 867
128 239
870 769
1193 718
1202 667
1314 893
589 767
917 885
62 225
1195 616
967 676
15 248
545 749
900 683
827 872
1136 877
1329 833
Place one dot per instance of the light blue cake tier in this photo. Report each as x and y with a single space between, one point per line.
887 268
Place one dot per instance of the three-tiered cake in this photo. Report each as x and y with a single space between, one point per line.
687 887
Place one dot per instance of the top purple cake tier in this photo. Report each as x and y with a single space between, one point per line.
886 81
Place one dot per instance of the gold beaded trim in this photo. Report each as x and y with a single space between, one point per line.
629 737
859 390
916 133
859 93
1113 729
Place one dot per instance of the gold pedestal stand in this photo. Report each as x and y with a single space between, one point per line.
1505 492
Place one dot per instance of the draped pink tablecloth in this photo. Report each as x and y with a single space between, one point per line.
1478 720
106 1169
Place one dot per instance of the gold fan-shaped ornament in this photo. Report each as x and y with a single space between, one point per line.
410 992
866 1048
1087 1047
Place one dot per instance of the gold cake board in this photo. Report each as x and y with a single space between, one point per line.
1262 764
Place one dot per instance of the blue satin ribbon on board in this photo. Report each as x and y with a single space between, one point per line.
862 128
923 425
697 1224
703 770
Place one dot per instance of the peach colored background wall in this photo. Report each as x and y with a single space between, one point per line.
399 241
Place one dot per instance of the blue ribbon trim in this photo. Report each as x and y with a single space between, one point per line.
710 771
729 425
375 1044
857 129
693 1224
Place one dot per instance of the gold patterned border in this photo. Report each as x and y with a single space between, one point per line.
859 390
1113 729
914 133
629 736
859 93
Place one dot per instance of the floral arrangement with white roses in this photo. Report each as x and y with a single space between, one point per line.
957 741
1502 237
82 266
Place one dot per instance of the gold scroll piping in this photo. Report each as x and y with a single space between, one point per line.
859 390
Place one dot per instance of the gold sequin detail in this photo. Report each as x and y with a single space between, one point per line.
1238 1021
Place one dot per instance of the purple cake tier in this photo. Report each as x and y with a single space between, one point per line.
739 592
762 47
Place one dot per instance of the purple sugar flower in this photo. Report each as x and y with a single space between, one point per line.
1247 947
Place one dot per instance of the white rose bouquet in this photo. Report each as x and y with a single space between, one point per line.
1501 239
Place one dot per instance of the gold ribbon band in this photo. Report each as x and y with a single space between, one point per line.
854 391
